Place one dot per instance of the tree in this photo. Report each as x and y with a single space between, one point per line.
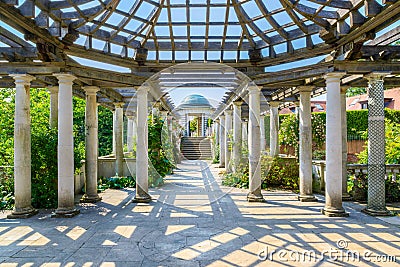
353 91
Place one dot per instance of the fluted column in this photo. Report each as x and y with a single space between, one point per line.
22 148
274 129
65 151
142 160
376 146
254 194
345 195
228 134
53 90
222 138
237 134
333 187
119 134
129 134
305 153
91 145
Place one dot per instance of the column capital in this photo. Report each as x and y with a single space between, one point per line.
274 104
334 75
143 89
228 112
91 90
119 104
64 77
130 114
305 89
238 102
377 75
253 89
22 78
53 89
222 116
217 120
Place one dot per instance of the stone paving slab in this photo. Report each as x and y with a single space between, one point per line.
194 221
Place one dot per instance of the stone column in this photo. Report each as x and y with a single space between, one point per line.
244 133
262 129
254 194
228 132
216 129
53 90
142 160
274 129
91 145
222 137
65 151
187 125
119 135
333 187
129 134
376 146
22 148
345 195
237 134
305 153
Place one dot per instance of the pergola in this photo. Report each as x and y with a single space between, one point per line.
335 44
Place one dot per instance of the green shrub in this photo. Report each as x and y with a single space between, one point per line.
277 172
160 164
117 183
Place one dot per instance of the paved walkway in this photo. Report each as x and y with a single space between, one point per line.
195 221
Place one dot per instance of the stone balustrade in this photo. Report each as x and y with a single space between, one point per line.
319 171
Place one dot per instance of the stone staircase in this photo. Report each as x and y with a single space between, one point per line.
196 148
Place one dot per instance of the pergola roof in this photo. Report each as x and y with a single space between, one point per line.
146 36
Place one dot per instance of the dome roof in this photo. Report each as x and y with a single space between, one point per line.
195 100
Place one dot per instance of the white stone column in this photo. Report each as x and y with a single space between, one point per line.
22 148
244 133
333 187
376 205
274 128
237 134
53 90
129 134
345 195
119 135
91 145
216 130
262 131
228 132
222 138
142 160
305 148
254 194
66 207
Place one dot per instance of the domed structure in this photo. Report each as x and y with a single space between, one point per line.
195 100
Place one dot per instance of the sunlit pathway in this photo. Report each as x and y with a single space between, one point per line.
194 221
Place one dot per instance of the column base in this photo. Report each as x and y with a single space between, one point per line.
347 197
372 212
221 166
334 212
255 198
307 198
65 213
87 199
22 213
142 199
